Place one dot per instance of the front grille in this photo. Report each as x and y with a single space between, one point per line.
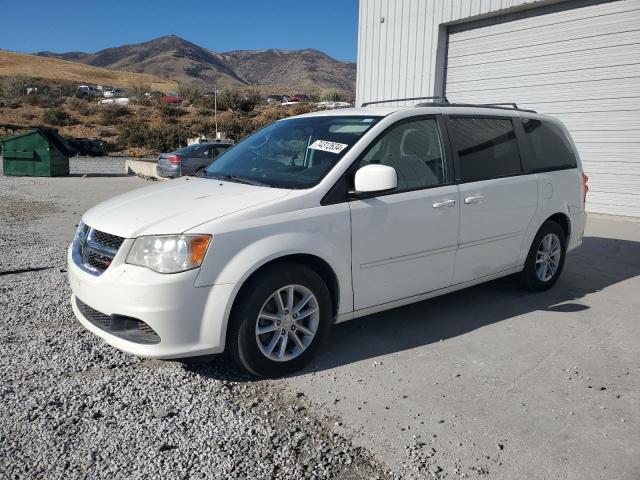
93 250
98 262
108 240
127 328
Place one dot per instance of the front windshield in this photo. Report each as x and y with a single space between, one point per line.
291 153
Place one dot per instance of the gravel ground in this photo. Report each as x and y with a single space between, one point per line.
488 382
73 407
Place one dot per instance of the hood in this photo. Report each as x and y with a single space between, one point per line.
175 206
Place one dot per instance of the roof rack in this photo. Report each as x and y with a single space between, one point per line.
444 102
442 98
498 106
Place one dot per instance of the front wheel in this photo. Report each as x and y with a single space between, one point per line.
545 261
280 319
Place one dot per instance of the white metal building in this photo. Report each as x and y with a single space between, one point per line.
578 60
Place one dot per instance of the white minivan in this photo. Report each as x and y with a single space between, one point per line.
325 217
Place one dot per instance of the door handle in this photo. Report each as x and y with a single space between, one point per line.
476 199
446 203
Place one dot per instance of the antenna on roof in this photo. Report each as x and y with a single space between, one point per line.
440 98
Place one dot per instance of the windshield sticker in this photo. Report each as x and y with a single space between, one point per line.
327 146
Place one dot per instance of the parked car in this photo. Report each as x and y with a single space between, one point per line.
171 100
88 146
114 93
87 90
189 160
276 99
323 218
114 101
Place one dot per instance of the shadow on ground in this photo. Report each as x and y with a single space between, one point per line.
598 264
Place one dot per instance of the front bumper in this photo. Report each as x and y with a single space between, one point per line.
189 320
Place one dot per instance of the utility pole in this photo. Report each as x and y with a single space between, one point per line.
215 108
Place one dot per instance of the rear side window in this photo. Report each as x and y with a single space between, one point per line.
550 148
486 147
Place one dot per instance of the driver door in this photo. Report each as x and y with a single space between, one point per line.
404 242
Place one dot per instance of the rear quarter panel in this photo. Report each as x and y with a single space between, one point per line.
559 191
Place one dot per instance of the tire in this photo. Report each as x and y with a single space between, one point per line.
257 353
534 277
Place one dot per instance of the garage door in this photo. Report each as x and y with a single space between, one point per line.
578 61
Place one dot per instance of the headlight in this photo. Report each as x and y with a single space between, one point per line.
80 232
169 253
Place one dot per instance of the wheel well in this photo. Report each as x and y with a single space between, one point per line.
317 264
562 220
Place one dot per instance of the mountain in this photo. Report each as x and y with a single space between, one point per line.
71 56
305 68
50 68
177 59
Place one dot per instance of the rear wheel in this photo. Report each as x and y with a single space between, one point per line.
280 319
545 260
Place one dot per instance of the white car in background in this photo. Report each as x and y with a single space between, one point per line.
330 105
114 93
323 218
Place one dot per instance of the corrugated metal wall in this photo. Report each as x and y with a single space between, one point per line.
576 59
581 65
397 56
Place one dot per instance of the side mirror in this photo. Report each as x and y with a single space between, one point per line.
375 178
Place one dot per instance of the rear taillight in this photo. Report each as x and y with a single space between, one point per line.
175 159
585 187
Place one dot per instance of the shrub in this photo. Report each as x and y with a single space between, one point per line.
169 111
11 86
81 106
189 91
43 100
331 96
105 132
57 117
133 133
273 114
236 100
164 138
112 114
301 108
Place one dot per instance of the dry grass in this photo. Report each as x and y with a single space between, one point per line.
18 64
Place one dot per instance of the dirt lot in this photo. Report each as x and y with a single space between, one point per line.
489 382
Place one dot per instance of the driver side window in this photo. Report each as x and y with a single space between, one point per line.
414 150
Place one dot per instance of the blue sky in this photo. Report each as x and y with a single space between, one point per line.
71 25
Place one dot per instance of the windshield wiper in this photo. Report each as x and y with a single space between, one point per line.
238 179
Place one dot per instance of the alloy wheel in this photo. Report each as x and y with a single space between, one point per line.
287 323
548 257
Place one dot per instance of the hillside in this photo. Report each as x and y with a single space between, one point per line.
18 64
168 57
299 67
177 59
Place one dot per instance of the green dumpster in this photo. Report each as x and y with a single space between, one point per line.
41 152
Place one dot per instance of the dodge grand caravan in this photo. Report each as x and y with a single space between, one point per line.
323 218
